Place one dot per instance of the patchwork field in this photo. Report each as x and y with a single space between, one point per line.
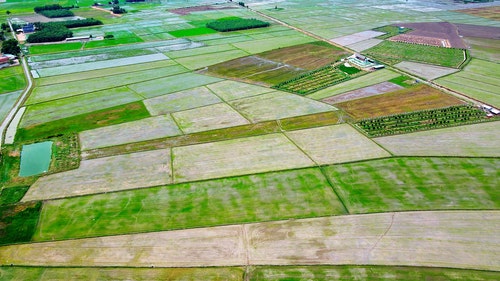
277 105
419 97
479 80
336 144
175 156
470 140
403 184
78 87
263 197
104 175
279 65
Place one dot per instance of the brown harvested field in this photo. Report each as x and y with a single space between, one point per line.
308 56
377 89
478 31
272 67
457 239
189 10
492 13
437 30
420 97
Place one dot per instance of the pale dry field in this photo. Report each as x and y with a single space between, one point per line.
135 131
237 157
107 174
455 239
356 37
182 100
232 90
364 45
277 105
427 71
207 118
469 140
336 144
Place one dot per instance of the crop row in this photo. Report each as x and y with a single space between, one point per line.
313 81
421 120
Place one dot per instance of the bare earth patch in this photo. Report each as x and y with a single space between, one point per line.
456 239
377 89
113 173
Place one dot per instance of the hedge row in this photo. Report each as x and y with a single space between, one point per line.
422 120
236 24
57 13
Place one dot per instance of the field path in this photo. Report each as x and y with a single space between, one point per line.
455 239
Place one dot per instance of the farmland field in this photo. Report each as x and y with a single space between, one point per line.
371 239
469 140
231 90
427 71
77 87
360 82
104 175
76 105
171 84
377 89
419 97
277 105
7 100
395 52
207 118
402 184
262 197
365 273
485 49
134 131
100 273
336 144
11 79
236 157
181 100
479 79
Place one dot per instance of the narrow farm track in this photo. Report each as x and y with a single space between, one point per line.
454 239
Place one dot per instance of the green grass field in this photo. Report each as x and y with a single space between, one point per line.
402 184
366 273
55 48
262 197
11 79
395 52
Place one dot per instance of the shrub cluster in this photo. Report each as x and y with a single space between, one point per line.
57 13
52 7
79 23
50 32
236 24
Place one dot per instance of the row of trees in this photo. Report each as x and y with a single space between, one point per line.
50 32
236 24
57 13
